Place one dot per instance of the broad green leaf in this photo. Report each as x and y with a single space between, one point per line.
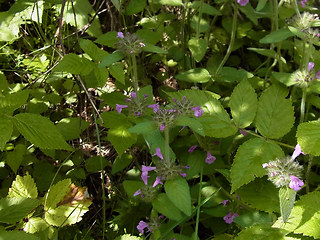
164 206
13 101
247 164
143 127
252 218
267 53
74 64
194 124
112 58
178 192
255 193
121 138
117 71
71 128
15 234
196 96
121 162
202 26
93 164
131 186
113 119
277 36
261 5
154 49
169 2
6 128
135 6
108 39
95 53
40 131
275 114
198 48
23 187
205 8
308 135
287 79
243 106
35 224
230 74
15 157
196 75
10 25
3 81
261 232
287 198
56 193
296 31
116 4
13 210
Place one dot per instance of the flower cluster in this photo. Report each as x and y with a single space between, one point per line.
210 158
229 217
286 171
243 2
303 3
129 43
305 77
135 105
149 226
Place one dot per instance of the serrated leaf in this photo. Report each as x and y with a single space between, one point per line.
35 224
108 39
287 198
74 64
95 53
308 135
71 128
261 232
277 36
13 210
154 49
112 58
121 138
56 193
247 164
116 70
275 114
194 124
23 187
164 206
40 131
6 128
287 79
196 75
198 48
15 157
243 106
13 101
15 234
135 6
178 192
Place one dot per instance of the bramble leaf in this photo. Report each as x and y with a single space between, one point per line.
308 135
56 193
6 128
23 187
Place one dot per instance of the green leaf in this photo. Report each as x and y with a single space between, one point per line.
194 124
40 131
128 237
121 138
154 49
163 205
121 162
108 39
297 32
230 74
74 64
15 157
117 71
23 187
287 79
143 127
13 210
35 224
92 50
6 128
112 58
198 48
268 53
277 36
178 192
3 80
114 120
275 114
135 6
206 8
131 186
243 106
13 101
252 218
71 128
287 198
56 193
261 5
247 164
196 75
169 2
308 135
261 232
93 164
116 4
15 234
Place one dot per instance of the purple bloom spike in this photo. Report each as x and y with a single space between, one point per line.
141 226
192 148
310 66
155 107
244 133
162 127
210 159
119 107
183 175
157 182
197 111
229 217
158 153
133 94
144 177
224 202
147 169
120 35
295 183
297 152
243 2
138 192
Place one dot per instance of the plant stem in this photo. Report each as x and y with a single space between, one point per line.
199 204
134 74
295 5
308 173
102 178
167 145
303 104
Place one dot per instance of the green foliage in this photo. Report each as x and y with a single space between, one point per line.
308 135
197 75
287 198
163 205
56 193
23 187
198 48
260 232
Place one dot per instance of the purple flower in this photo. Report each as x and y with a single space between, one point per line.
120 107
144 174
133 94
210 159
197 111
157 181
229 217
142 44
303 3
155 107
318 75
158 153
192 148
120 35
243 2
224 202
295 183
183 175
138 192
243 132
187 167
297 152
162 127
310 66
142 225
